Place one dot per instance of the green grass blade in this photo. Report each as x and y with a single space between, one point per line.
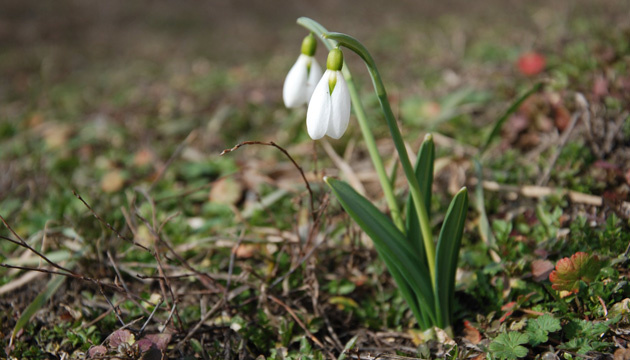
349 346
392 246
424 174
484 224
41 299
497 126
447 253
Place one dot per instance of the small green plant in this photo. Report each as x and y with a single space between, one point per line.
538 329
406 246
509 345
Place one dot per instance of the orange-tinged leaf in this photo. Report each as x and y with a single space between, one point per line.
569 272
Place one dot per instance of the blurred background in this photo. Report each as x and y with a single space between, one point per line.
99 95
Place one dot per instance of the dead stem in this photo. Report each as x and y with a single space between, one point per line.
271 143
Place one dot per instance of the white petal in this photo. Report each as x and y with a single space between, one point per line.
294 91
313 78
319 109
340 115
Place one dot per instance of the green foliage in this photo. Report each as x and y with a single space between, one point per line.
406 256
538 329
584 336
509 345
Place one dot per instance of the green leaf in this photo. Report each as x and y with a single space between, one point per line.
411 275
349 346
447 253
424 174
579 327
485 230
538 329
41 299
497 126
508 345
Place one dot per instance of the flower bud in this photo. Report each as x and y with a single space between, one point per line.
309 45
335 60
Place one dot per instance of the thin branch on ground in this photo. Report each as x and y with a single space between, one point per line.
100 219
191 136
271 143
583 113
301 324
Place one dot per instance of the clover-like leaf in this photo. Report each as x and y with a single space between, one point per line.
508 345
571 271
538 329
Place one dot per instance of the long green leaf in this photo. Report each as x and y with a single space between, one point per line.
41 299
447 253
497 126
392 246
424 174
484 224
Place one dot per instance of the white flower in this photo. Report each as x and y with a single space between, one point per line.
329 113
300 81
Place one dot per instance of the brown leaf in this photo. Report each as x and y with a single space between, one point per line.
541 269
245 251
112 181
226 191
143 157
121 336
471 333
98 350
160 340
144 344
622 354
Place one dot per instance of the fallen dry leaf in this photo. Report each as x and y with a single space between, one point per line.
112 181
471 333
541 269
226 191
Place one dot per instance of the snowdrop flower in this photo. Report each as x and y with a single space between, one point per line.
301 79
329 109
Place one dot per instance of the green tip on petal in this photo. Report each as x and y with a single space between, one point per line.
332 81
309 45
428 137
335 60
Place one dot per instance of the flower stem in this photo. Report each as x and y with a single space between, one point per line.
414 187
388 191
